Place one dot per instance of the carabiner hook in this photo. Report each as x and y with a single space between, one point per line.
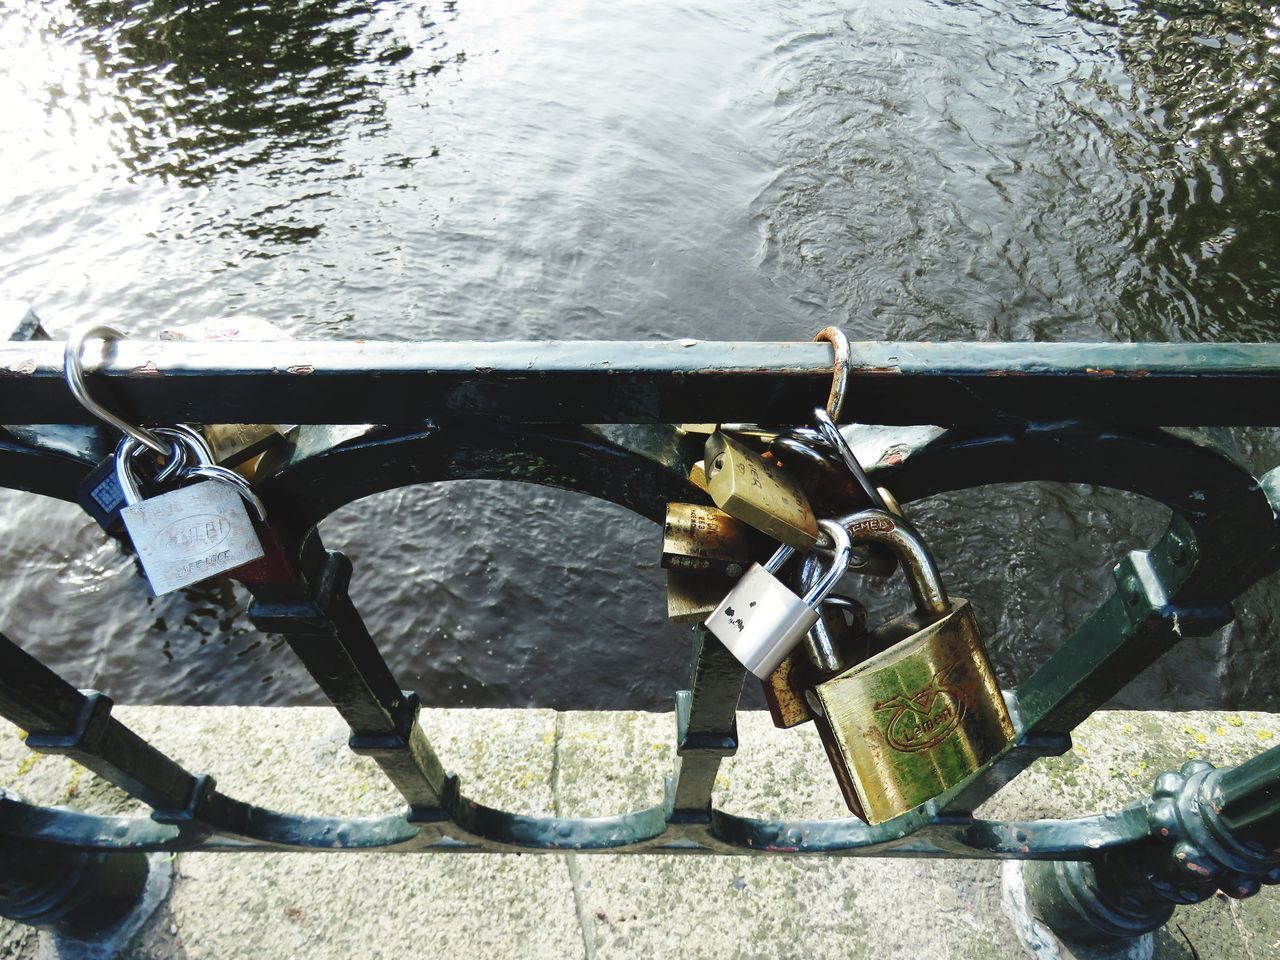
73 371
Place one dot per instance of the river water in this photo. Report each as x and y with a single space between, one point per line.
631 170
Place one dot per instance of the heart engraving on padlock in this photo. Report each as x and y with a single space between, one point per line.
924 719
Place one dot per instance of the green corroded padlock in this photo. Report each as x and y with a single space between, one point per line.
926 712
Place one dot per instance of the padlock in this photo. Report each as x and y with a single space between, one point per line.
760 620
194 532
100 496
235 444
875 559
830 486
691 596
703 551
700 539
838 639
925 713
836 483
764 495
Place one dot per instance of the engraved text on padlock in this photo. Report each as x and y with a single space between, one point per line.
190 534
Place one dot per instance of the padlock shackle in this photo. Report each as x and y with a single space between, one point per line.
184 440
841 549
824 653
831 433
841 554
211 471
128 448
780 556
878 526
193 440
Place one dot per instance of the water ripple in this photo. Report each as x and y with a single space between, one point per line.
1001 170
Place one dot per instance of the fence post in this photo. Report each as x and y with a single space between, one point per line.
75 893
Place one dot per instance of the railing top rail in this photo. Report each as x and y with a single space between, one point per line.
950 384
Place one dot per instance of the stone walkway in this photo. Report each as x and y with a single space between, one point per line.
608 907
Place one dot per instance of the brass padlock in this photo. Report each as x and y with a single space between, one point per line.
924 714
831 488
700 539
691 596
704 550
235 444
745 485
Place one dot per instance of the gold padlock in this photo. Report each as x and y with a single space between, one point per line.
704 550
700 539
692 596
234 444
924 714
745 485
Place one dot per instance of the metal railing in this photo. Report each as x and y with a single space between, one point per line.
598 418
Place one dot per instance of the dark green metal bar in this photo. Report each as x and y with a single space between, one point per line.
1129 632
1248 800
1077 413
81 893
1132 629
706 726
480 829
974 384
324 629
63 720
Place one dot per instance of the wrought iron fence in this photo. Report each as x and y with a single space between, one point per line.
599 418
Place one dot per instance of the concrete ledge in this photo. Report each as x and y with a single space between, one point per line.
610 906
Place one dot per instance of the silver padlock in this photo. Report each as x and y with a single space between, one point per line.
761 621
194 532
